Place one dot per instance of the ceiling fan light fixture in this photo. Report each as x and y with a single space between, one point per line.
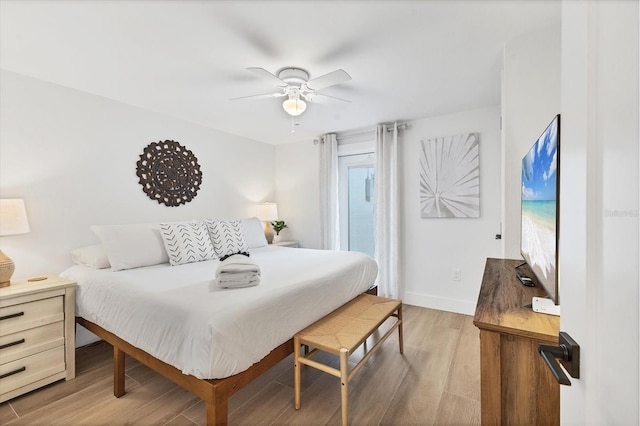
294 106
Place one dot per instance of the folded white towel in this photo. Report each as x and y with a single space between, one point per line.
238 283
237 271
238 263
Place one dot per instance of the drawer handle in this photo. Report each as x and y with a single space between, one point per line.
8 345
17 314
11 373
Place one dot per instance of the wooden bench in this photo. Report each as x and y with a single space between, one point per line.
340 333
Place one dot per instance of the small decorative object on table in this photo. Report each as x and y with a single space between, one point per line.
277 226
13 221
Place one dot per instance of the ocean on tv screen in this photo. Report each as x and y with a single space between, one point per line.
539 238
539 177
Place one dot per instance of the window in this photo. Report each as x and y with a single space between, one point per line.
355 192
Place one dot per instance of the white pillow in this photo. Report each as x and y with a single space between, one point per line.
227 237
92 256
187 242
132 246
253 231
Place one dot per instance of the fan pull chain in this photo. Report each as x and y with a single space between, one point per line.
293 124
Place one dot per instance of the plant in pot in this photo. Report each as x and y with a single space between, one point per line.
277 226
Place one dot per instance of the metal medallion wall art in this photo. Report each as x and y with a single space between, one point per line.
169 173
450 176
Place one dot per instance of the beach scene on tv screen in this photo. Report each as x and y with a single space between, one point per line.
539 178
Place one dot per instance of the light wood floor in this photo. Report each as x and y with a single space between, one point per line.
436 381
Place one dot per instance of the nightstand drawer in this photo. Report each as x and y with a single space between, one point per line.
28 342
37 337
28 315
30 369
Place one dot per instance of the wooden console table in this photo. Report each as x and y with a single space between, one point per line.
517 388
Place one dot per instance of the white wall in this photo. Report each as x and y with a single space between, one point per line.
433 247
599 225
531 98
297 192
72 157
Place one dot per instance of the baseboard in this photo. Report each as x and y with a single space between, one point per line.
443 304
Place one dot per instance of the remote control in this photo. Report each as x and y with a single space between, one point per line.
525 280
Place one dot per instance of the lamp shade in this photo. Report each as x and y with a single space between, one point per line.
13 217
294 106
267 212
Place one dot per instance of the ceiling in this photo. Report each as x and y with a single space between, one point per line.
407 59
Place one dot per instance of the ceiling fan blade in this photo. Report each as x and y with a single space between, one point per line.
323 99
266 95
267 75
335 77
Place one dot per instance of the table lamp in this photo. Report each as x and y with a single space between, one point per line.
13 221
268 212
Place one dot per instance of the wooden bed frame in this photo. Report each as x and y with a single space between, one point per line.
214 392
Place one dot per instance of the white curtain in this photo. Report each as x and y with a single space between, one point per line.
329 218
386 210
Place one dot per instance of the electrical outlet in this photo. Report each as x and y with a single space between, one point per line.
455 274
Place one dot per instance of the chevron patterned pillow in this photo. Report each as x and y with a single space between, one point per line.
187 242
227 237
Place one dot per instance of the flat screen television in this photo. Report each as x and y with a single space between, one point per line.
540 208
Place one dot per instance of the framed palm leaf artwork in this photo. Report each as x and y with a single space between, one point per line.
450 176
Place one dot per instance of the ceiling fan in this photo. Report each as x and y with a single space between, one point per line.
294 84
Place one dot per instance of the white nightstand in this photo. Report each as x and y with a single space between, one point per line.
286 244
37 334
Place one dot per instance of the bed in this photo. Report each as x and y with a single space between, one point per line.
209 340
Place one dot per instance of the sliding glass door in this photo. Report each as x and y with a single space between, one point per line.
355 190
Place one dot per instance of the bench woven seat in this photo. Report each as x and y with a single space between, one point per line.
341 333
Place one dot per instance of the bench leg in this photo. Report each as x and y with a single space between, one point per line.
400 340
296 371
344 382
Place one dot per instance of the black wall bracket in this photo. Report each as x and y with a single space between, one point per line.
568 352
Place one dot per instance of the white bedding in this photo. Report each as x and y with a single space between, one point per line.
169 311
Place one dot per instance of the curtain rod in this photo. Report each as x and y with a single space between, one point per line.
401 126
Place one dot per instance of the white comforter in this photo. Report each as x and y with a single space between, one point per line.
169 311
